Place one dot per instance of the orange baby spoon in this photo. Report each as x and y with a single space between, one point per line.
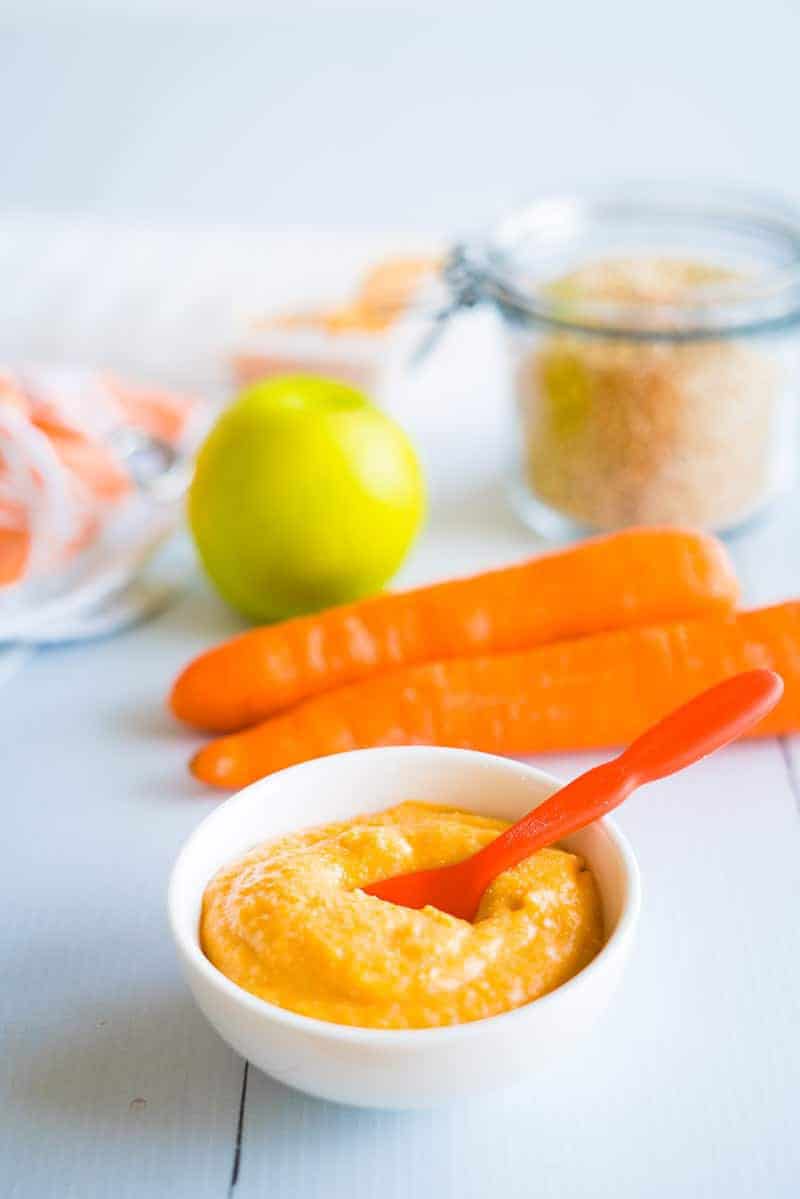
706 723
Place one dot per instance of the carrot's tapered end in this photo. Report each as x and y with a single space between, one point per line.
205 695
194 699
191 697
219 765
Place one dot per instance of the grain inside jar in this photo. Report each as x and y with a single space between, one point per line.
619 431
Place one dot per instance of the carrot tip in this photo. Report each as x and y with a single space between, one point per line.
209 765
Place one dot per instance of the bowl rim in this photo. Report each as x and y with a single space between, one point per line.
190 951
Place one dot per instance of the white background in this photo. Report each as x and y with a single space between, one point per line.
384 115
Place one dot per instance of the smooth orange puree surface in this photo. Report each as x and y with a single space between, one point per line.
288 923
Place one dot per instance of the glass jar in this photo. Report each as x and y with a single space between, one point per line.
654 344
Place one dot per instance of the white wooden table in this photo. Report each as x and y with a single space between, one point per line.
115 1086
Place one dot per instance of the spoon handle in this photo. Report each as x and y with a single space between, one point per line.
703 725
690 733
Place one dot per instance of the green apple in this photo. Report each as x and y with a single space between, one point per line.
304 495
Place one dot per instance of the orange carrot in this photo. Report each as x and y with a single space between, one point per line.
641 576
596 691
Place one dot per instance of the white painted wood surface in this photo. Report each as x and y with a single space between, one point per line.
113 1083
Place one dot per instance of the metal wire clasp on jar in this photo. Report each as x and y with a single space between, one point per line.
654 337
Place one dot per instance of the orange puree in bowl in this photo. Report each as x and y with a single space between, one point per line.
289 924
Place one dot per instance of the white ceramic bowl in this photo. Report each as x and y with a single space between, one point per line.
397 1068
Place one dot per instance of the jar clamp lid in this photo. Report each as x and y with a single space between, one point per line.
755 240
